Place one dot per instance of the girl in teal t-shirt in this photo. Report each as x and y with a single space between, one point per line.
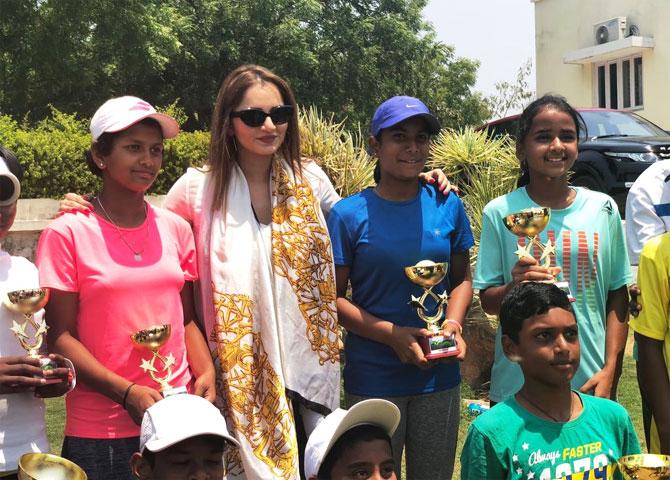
585 229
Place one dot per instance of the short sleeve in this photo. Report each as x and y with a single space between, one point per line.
340 239
478 458
489 270
653 279
178 199
642 222
56 261
321 186
461 238
187 255
620 272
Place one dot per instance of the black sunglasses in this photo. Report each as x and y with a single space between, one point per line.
255 117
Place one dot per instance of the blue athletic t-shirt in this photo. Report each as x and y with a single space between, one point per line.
377 239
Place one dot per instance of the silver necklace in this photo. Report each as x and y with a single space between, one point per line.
137 253
543 411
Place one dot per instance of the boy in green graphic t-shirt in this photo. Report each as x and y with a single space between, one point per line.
547 430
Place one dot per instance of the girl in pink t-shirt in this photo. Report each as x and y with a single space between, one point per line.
122 268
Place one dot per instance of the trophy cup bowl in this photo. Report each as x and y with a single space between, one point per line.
28 301
427 274
528 223
45 466
645 467
153 337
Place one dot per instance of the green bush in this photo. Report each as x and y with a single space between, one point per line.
52 153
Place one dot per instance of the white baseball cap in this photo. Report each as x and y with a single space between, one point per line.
180 417
119 113
10 187
374 411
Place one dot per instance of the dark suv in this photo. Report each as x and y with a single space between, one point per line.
617 147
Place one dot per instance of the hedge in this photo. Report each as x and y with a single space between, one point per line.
52 154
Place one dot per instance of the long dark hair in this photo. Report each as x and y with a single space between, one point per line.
223 148
548 101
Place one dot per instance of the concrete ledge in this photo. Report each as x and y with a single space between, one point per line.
32 216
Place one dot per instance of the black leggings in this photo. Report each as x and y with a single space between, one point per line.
102 458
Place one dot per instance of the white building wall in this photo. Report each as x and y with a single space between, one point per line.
562 26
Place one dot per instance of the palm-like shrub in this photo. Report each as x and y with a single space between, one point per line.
484 169
341 154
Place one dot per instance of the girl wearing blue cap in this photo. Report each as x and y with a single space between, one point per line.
376 234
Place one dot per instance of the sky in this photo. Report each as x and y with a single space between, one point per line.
498 33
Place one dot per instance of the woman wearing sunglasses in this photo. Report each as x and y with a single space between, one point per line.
266 266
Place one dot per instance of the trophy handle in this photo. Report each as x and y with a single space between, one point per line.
434 319
39 330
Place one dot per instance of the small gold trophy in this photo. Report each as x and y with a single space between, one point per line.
45 466
645 467
427 274
153 338
28 302
529 223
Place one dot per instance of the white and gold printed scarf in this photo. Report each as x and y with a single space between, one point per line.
276 324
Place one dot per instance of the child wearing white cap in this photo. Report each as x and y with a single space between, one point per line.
23 383
354 443
183 437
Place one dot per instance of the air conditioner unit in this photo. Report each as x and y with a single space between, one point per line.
610 30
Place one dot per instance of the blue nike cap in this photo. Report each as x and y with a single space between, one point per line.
400 108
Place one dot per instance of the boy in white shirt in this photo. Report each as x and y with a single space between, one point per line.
23 383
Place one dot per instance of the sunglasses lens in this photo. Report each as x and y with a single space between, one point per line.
253 117
281 115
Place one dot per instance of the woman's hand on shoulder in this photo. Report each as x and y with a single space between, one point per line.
205 385
72 202
439 179
405 344
139 399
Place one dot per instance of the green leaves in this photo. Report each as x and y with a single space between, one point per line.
342 57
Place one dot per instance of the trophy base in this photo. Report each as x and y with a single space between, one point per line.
48 364
565 286
168 392
439 346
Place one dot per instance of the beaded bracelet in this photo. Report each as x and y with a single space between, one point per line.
454 322
125 395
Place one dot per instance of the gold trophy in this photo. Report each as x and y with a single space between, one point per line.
153 338
30 333
45 466
529 223
645 467
427 274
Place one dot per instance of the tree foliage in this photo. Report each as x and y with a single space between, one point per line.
343 57
513 96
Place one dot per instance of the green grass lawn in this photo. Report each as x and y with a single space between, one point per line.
629 397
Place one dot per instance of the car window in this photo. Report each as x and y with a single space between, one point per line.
599 123
508 127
